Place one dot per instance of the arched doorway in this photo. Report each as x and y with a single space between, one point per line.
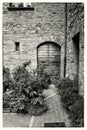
48 55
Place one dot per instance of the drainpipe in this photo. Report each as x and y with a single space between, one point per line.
65 39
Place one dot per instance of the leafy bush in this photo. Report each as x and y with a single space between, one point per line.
66 84
72 101
22 76
19 103
29 90
8 82
26 89
77 112
8 87
43 77
7 98
37 110
66 88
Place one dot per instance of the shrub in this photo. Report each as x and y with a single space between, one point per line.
37 110
26 89
19 103
67 84
27 99
43 77
8 87
7 98
29 91
8 82
77 112
72 101
22 76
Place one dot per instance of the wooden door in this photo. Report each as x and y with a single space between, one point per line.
49 57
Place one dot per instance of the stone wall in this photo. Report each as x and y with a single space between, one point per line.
45 23
75 25
30 28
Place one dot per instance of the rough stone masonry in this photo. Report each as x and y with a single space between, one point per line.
25 30
75 42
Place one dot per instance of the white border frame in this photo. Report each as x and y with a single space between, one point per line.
85 60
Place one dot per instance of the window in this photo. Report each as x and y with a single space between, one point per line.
17 46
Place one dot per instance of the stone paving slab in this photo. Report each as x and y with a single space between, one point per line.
54 114
16 120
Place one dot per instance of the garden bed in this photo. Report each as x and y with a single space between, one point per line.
72 101
22 93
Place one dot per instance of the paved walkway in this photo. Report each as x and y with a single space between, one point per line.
55 113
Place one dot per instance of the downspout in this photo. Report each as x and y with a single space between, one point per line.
65 39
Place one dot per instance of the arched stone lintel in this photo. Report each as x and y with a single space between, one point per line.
47 38
48 42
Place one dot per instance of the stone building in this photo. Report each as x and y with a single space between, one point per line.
51 34
75 42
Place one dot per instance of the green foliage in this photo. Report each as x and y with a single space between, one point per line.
19 103
72 101
8 82
43 77
28 90
8 87
22 76
77 112
7 98
37 110
67 85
